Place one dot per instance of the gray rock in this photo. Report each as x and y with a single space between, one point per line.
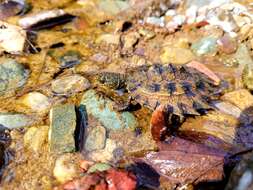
62 127
12 120
95 139
102 109
12 75
68 85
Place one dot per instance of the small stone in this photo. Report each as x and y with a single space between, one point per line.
243 56
148 34
227 44
204 46
12 75
247 77
12 120
101 108
107 154
95 139
87 68
65 168
70 59
99 167
109 39
62 128
155 21
34 101
12 38
241 98
99 57
35 137
176 55
130 40
68 85
85 165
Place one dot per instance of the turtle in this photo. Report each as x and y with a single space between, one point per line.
176 91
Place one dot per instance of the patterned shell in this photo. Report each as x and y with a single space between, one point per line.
183 90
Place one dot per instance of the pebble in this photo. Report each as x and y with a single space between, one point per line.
15 120
99 167
69 85
227 44
204 46
247 77
130 40
70 59
35 137
240 98
159 21
65 168
34 101
176 55
109 39
62 128
107 154
102 109
12 75
95 139
99 57
12 38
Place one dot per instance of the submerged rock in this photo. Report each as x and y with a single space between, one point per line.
65 168
34 101
99 167
70 59
241 98
241 177
69 85
111 153
227 44
204 46
102 109
15 120
62 128
247 76
35 137
12 75
95 138
176 55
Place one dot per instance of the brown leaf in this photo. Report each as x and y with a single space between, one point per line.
182 162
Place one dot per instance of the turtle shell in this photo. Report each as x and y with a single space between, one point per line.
179 88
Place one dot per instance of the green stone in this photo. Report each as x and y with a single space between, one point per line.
102 109
99 167
62 128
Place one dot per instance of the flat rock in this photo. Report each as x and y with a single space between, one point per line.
62 127
102 109
96 138
111 153
35 102
241 98
69 85
176 55
35 137
15 120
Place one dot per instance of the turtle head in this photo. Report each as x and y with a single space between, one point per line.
112 80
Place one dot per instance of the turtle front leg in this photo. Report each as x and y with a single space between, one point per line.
164 121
